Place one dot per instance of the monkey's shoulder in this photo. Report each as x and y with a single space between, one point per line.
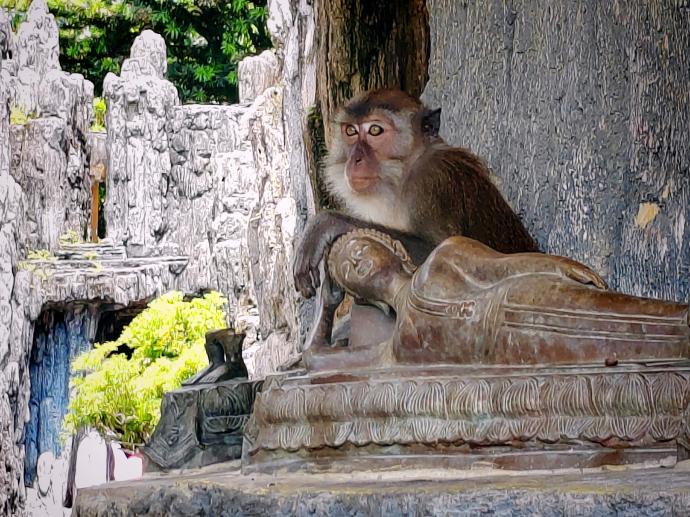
450 162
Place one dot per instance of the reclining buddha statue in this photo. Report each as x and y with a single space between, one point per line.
468 304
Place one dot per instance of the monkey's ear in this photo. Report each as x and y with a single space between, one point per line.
431 122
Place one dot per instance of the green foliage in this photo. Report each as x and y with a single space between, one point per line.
17 11
99 109
205 40
120 397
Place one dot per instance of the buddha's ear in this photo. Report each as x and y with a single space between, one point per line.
431 122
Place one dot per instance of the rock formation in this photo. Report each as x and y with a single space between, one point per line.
44 193
188 186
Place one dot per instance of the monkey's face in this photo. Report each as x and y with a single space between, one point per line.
368 144
372 149
374 140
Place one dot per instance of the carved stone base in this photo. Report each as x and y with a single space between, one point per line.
508 417
201 424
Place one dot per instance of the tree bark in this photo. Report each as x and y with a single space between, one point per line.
368 44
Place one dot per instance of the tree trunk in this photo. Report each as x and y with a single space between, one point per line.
365 44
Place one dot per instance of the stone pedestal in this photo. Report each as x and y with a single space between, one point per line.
201 424
508 417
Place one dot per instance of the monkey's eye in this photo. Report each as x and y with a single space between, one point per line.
350 130
375 130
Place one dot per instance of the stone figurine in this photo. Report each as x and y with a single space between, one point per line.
202 422
224 351
468 304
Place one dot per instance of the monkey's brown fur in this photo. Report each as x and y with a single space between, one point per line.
449 193
402 178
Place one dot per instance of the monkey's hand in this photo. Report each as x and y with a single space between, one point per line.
580 273
305 268
321 231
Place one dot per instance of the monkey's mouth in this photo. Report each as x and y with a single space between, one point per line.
362 185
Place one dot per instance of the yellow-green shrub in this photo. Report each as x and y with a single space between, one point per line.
121 397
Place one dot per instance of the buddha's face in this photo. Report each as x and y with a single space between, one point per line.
365 267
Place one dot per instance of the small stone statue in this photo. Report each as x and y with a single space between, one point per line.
224 350
468 304
202 422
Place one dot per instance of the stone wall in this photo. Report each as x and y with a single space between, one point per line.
581 110
49 152
222 185
10 459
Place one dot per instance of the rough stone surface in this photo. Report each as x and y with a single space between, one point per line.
11 457
202 424
270 236
577 108
43 193
57 305
279 20
147 57
55 184
184 183
209 195
36 55
205 181
6 36
58 338
223 185
256 74
652 492
50 152
139 103
299 94
37 40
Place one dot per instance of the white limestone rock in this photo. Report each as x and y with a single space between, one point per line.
256 74
139 104
279 20
37 40
148 56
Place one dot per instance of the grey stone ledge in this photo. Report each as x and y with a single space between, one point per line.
221 491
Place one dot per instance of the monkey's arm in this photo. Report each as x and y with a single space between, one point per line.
322 230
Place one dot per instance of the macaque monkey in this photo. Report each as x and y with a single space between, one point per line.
391 171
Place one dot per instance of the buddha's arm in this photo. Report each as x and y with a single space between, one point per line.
521 263
487 266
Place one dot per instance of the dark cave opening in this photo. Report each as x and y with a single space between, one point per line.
61 333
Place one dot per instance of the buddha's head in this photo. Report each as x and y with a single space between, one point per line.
370 264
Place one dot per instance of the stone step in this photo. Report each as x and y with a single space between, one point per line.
223 490
69 265
91 251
